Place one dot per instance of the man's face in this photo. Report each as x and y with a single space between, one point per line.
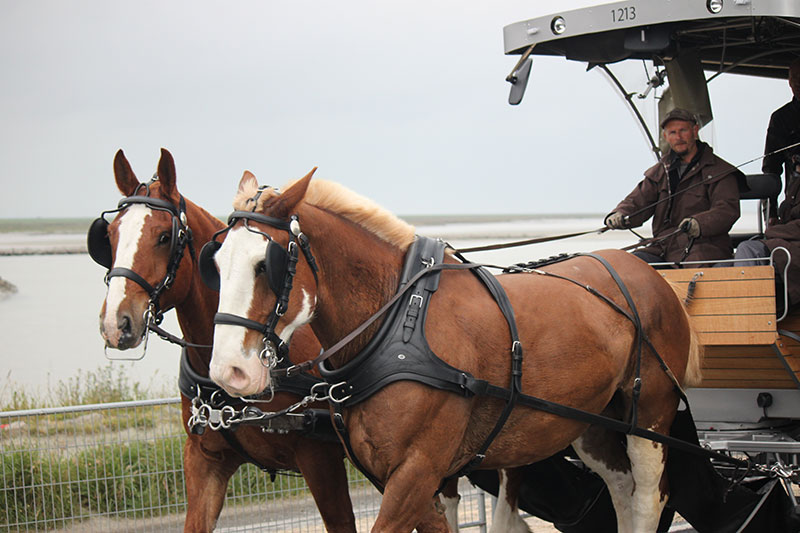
794 80
681 136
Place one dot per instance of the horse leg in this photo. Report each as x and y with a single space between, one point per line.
206 477
506 514
408 502
450 499
603 452
649 494
322 466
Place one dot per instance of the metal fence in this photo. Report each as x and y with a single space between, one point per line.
119 467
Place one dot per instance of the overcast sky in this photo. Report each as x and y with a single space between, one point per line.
404 102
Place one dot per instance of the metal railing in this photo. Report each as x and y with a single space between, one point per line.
119 467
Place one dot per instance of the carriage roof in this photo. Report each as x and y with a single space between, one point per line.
752 37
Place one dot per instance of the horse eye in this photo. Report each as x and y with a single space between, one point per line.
164 238
261 268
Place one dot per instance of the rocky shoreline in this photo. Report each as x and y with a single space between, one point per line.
6 289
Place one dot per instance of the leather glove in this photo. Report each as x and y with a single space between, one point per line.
616 220
691 227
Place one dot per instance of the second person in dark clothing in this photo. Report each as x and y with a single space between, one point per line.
689 188
783 131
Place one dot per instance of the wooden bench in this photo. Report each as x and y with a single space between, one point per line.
733 311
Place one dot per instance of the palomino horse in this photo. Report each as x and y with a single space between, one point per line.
141 240
574 325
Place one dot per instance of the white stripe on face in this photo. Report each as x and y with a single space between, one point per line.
236 260
130 233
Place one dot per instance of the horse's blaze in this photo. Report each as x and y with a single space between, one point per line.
121 320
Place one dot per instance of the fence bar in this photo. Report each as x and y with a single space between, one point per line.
119 467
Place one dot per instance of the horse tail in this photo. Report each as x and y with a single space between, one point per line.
694 364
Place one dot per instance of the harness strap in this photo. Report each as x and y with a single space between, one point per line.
344 436
237 447
637 324
133 276
485 388
326 354
169 337
515 387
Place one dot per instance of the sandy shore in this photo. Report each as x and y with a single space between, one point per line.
42 244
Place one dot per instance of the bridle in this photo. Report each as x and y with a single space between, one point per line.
99 247
280 267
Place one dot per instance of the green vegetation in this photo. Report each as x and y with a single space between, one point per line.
58 469
108 383
131 480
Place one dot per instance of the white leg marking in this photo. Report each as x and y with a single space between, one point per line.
647 464
506 518
130 233
451 511
620 486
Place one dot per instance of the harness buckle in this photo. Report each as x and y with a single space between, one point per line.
343 385
419 299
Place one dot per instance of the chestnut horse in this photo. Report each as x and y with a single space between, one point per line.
140 241
579 349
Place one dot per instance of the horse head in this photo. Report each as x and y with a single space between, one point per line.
143 248
267 280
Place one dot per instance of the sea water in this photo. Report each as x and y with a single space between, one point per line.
49 328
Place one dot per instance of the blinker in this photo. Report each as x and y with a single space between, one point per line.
98 243
205 263
276 261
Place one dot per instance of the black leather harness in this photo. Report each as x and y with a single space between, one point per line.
399 351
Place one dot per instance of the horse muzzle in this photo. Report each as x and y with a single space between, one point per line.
121 332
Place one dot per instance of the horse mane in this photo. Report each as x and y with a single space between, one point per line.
337 198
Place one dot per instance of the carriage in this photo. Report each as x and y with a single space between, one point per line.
749 399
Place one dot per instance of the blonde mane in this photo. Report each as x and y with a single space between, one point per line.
338 199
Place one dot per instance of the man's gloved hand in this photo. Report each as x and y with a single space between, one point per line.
691 227
616 221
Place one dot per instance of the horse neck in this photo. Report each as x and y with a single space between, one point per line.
195 313
359 272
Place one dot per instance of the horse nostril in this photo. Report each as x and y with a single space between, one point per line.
125 325
237 374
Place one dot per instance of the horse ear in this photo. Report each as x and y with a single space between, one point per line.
123 175
166 174
283 204
248 182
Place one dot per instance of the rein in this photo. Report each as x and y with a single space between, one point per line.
708 179
531 241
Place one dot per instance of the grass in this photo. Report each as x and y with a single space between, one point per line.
108 383
48 490
59 469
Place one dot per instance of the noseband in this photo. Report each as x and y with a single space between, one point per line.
280 267
99 247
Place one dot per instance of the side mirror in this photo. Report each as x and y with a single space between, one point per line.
519 82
